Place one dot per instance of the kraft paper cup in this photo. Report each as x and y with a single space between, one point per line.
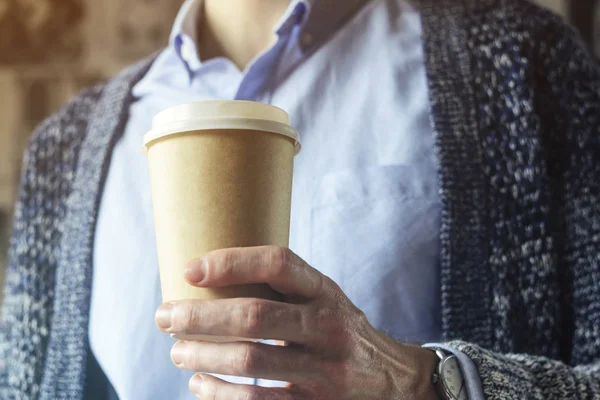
221 177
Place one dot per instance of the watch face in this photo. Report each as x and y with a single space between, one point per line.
452 379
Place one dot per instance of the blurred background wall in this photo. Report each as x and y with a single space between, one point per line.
50 49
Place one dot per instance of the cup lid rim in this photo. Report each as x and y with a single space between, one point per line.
222 123
221 115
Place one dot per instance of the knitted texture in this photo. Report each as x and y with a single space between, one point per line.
49 170
515 101
68 342
43 331
516 106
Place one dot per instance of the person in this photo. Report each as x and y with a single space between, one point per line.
445 239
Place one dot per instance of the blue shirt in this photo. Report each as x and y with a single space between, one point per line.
365 207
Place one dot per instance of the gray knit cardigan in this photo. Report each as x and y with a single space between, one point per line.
515 102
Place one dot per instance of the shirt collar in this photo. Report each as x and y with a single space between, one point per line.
187 20
318 19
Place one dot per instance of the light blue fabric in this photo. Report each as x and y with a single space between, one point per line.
365 207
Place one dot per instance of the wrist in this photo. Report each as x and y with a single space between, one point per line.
428 362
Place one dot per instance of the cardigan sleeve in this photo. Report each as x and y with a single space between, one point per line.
518 376
569 81
47 172
20 335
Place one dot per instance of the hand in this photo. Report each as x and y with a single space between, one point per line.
332 351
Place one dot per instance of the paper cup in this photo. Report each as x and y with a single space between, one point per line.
221 177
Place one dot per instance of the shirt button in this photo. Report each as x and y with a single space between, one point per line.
306 40
299 13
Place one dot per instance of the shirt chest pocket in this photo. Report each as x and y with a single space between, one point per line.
375 232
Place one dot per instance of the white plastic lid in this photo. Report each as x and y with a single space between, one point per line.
221 114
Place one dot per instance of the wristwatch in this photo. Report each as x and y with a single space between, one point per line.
448 377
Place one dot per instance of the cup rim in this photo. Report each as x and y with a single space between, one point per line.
184 120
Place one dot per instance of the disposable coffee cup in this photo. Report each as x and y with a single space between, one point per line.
221 177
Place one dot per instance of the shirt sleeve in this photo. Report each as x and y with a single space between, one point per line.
469 370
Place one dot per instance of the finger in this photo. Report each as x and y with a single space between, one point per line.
246 318
247 359
279 267
206 387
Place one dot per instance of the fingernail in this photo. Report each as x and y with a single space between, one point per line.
163 316
196 271
196 384
178 354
